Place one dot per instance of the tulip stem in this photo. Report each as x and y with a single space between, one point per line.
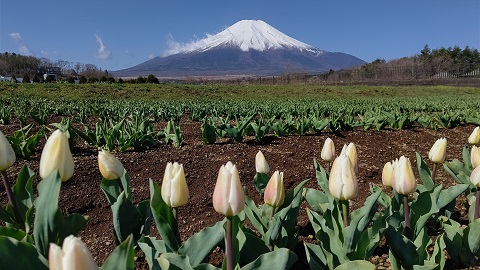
345 210
434 172
228 244
175 224
12 201
328 166
406 211
477 205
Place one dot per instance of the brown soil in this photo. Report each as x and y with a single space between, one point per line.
293 155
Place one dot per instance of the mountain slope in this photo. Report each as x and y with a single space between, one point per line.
246 48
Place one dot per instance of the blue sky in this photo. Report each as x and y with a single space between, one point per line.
118 34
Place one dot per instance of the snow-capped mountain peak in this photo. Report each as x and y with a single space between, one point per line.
246 35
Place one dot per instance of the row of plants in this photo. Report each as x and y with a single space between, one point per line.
35 228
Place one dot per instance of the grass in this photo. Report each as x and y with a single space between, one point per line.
233 92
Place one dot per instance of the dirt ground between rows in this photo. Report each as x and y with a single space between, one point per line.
293 155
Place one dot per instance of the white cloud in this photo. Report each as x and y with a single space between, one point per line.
44 53
102 53
22 48
16 36
151 56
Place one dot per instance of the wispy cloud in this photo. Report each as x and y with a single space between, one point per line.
22 48
102 53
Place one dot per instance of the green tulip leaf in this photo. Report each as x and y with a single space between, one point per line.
200 245
359 220
450 194
48 218
163 217
322 177
254 214
424 171
152 248
279 259
315 256
126 218
111 189
254 247
260 181
364 265
317 200
23 194
423 208
404 251
16 234
122 257
20 255
146 216
471 237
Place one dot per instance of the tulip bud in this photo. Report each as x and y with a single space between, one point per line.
228 196
439 151
403 181
261 164
275 191
387 173
110 167
56 155
351 152
328 150
475 136
74 254
343 182
475 177
7 155
475 156
174 185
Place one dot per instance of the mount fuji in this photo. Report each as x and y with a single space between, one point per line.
247 48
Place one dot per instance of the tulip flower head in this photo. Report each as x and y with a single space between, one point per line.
74 254
110 167
228 196
403 181
387 173
7 155
56 155
275 191
261 164
475 177
343 182
328 150
475 156
474 138
174 185
351 152
438 152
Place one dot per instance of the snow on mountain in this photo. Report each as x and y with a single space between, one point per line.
246 35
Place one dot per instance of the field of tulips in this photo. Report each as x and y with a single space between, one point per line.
195 185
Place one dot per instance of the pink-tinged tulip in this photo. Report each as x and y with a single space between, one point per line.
438 152
56 155
474 138
387 173
110 167
74 255
7 155
174 185
475 177
228 196
275 191
351 152
328 150
475 156
343 182
403 181
261 164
